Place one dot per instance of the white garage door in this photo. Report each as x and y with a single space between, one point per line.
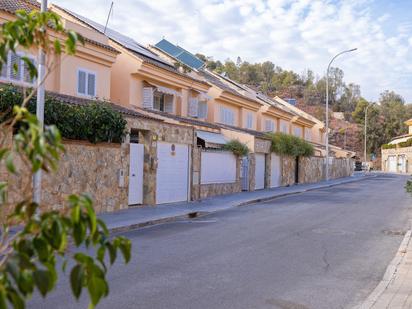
218 167
172 181
402 164
392 164
259 171
275 171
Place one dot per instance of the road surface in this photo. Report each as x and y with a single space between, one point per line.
321 249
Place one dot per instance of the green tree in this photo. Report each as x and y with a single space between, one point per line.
30 254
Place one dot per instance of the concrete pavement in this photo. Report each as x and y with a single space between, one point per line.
322 249
137 217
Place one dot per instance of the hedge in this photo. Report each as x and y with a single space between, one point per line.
388 146
95 122
289 145
237 147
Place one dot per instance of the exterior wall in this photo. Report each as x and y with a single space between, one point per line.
404 151
83 168
312 169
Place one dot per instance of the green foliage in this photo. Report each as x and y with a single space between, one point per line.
408 186
96 122
407 143
289 145
388 146
238 148
29 254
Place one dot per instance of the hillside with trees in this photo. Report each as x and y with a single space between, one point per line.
385 117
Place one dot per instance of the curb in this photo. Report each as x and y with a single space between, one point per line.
390 274
195 214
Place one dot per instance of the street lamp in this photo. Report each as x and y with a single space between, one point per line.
327 109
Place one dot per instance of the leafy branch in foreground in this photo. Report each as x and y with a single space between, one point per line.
33 242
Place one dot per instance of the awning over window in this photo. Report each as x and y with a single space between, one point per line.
211 140
165 90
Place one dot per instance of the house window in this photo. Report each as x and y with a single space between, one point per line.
249 121
308 134
227 115
16 69
269 125
297 131
284 127
163 102
202 109
86 83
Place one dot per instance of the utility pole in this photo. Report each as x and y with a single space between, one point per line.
327 109
40 107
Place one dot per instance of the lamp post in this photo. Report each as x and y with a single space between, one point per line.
40 108
327 109
366 123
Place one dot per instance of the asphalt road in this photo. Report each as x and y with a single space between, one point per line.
321 249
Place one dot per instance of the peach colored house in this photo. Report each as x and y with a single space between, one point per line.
85 74
141 79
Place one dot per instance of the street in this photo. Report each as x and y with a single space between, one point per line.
327 248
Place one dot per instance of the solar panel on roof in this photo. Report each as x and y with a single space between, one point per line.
180 54
190 60
123 40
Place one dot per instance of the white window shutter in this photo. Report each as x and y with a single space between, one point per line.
15 63
5 67
148 97
169 104
26 72
193 107
202 111
91 85
249 121
81 82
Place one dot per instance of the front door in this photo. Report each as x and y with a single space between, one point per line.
136 174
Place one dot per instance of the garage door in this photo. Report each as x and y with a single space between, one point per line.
260 171
275 171
172 181
218 167
402 164
392 164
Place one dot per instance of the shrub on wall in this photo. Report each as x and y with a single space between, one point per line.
388 146
237 147
95 122
407 143
289 145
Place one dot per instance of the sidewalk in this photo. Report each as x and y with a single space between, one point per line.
395 289
137 217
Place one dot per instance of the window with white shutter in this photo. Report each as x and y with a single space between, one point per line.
249 120
202 109
227 115
308 134
297 131
148 98
86 83
16 69
269 125
160 101
193 107
284 127
169 101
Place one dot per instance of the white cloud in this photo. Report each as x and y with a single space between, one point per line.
294 34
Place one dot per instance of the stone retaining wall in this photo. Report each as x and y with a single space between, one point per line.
83 168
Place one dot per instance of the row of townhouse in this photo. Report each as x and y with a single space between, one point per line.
179 117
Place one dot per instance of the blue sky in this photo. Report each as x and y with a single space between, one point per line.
294 34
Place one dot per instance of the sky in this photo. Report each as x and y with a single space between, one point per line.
293 34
